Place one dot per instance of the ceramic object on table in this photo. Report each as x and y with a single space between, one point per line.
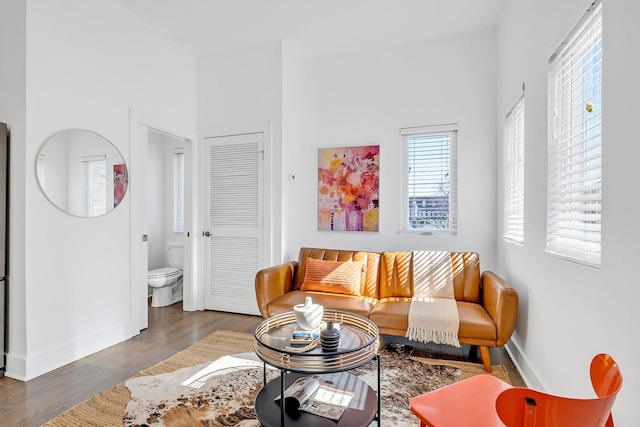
330 337
308 315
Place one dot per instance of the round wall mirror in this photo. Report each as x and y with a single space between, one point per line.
81 173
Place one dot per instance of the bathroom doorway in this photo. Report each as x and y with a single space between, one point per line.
150 231
165 201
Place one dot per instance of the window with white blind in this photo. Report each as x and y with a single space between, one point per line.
94 185
178 190
514 174
575 143
430 180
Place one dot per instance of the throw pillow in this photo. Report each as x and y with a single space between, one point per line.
338 277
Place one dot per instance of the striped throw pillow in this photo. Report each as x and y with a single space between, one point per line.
338 277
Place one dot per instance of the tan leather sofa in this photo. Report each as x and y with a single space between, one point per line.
487 305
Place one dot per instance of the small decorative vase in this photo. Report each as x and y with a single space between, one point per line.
308 315
330 337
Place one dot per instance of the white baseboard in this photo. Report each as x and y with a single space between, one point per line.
16 367
528 374
27 368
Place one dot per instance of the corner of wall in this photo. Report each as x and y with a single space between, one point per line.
530 377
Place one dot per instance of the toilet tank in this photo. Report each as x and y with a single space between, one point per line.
175 254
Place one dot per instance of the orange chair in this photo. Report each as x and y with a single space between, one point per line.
486 401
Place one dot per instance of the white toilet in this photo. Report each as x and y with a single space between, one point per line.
167 282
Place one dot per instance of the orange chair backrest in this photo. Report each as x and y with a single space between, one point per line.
523 407
605 375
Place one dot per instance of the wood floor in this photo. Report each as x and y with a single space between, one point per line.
170 330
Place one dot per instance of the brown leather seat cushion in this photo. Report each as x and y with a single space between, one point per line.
475 323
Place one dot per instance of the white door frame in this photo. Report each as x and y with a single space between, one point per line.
270 245
139 125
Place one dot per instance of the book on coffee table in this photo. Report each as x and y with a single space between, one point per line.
304 337
310 395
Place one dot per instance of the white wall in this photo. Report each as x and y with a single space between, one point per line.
156 195
243 90
570 312
292 148
87 65
366 98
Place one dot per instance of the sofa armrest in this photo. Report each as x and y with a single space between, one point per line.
273 282
501 302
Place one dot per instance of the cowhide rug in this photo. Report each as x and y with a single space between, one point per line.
222 393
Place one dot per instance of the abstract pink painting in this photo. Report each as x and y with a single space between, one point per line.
348 188
120 183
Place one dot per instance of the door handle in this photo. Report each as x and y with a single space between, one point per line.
206 233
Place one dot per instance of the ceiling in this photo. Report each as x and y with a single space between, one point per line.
318 27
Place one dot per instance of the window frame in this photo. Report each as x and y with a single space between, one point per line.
413 133
575 140
514 167
177 191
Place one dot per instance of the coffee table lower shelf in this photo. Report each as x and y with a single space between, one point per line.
361 411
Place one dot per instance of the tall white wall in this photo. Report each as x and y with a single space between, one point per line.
156 196
243 90
87 65
292 148
570 312
365 98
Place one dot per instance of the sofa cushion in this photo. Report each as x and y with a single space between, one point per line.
338 277
476 326
476 323
370 260
392 314
396 275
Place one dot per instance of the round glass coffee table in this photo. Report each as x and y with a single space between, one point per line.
359 341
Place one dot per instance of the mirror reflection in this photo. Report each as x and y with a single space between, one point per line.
81 173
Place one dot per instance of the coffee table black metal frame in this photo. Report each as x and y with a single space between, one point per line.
359 341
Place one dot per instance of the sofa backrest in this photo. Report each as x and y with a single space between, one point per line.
370 261
396 275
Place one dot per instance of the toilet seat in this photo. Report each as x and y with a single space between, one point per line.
164 273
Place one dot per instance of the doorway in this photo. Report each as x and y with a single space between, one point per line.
165 202
144 130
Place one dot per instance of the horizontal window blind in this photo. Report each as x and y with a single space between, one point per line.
575 144
178 191
430 185
514 174
94 188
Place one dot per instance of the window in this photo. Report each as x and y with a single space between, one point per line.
575 143
514 174
94 185
430 183
178 191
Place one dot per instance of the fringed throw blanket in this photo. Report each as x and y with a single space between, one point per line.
433 314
